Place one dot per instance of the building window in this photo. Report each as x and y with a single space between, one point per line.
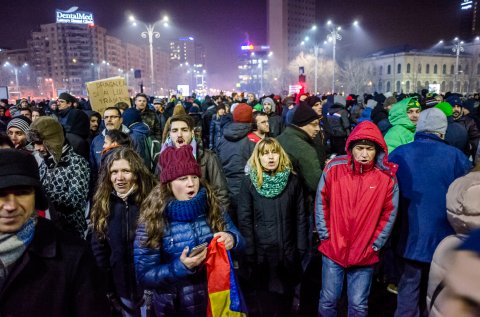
381 70
452 70
388 86
407 86
380 85
427 69
408 68
389 69
442 86
444 69
450 86
419 69
435 69
399 68
478 69
398 86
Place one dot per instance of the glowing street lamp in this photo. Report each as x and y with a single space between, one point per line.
457 48
150 33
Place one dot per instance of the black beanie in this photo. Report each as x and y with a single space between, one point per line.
304 115
67 97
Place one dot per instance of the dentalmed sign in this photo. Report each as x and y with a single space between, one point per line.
73 16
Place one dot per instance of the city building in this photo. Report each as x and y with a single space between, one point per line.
287 22
469 17
409 71
253 65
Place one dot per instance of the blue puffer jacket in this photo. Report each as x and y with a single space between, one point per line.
178 291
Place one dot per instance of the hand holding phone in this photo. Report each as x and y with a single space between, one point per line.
197 249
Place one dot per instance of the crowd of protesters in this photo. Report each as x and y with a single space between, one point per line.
100 213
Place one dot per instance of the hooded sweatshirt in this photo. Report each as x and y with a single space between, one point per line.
356 204
403 129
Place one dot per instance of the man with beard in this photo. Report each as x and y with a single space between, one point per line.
461 117
274 120
148 116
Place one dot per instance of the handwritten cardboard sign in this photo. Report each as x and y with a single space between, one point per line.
107 92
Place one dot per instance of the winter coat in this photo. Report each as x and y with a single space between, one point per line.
234 150
150 118
139 132
178 291
56 277
114 255
456 135
356 204
463 212
305 159
66 186
365 116
215 132
276 233
212 171
403 129
473 134
337 117
76 125
427 166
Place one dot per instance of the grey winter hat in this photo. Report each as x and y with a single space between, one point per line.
339 99
432 120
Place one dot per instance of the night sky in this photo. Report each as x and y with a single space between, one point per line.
222 25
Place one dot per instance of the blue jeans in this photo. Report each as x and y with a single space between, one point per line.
412 289
359 280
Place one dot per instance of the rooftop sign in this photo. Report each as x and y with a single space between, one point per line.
466 4
73 16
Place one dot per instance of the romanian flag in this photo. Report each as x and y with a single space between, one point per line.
224 296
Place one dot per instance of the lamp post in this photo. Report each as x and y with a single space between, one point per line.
457 48
150 33
334 36
15 71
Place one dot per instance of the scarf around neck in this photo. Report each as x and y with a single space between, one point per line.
124 197
272 186
188 210
13 245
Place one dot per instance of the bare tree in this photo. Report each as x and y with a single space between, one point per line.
354 76
324 72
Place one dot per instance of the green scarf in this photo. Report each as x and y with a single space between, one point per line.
272 186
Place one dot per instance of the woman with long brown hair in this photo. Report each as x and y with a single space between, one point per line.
179 214
123 185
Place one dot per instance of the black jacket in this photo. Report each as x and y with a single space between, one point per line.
114 255
275 229
234 150
56 276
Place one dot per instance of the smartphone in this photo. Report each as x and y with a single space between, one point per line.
197 249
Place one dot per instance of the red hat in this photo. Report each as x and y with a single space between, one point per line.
349 98
176 163
243 113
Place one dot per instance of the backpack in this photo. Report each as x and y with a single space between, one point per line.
334 126
152 152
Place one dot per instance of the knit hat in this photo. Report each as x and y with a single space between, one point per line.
469 105
390 101
131 116
349 98
362 142
194 110
242 113
311 101
339 99
446 108
454 100
19 168
268 100
67 97
413 103
50 132
432 120
371 104
258 107
179 109
304 115
21 122
178 162
157 101
288 101
220 107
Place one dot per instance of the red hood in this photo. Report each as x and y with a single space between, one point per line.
367 130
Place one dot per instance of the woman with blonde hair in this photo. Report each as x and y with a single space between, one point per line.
271 218
181 213
123 185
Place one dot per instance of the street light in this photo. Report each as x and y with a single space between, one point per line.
15 71
333 36
150 33
457 48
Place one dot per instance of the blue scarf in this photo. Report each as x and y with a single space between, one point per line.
188 210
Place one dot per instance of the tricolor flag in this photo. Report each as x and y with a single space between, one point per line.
224 296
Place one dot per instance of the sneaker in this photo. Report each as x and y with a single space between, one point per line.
392 288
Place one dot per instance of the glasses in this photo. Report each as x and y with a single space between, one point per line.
111 117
